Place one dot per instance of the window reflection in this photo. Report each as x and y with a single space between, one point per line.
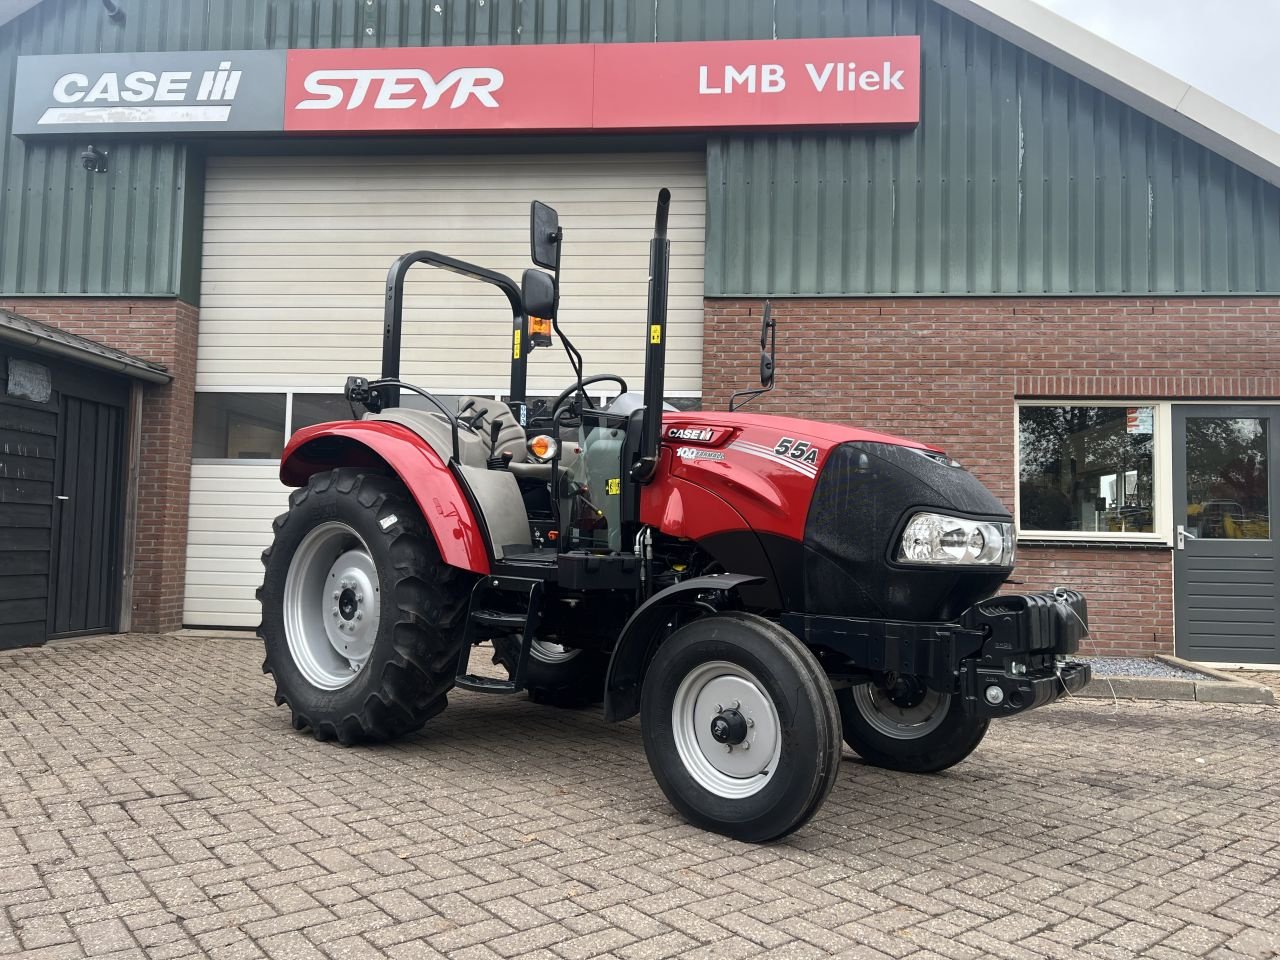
1227 478
1086 469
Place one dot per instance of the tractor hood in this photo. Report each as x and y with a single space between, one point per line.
819 509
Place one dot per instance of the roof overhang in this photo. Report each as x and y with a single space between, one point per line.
42 338
11 8
1130 79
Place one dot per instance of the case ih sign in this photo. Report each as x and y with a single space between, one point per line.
855 81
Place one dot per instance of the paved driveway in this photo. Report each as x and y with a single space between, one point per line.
154 803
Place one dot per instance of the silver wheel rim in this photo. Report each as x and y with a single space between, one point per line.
901 723
331 605
551 653
746 768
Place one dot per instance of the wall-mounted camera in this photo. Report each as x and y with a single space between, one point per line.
115 12
93 159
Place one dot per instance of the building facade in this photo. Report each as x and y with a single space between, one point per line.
1061 285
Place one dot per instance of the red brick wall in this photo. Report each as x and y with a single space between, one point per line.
947 372
163 331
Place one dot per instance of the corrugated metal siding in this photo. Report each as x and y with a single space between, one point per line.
1019 179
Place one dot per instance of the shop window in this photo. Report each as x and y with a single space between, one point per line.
1086 469
1227 478
239 426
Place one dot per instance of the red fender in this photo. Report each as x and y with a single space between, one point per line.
365 443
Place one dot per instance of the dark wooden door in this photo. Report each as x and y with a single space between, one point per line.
28 447
88 508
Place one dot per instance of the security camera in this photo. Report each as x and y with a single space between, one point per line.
114 11
93 159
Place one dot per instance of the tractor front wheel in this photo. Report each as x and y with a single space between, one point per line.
740 726
361 619
899 724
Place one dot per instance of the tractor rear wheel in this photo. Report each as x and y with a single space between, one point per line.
900 724
740 726
361 620
556 675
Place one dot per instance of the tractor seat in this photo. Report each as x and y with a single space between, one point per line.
473 446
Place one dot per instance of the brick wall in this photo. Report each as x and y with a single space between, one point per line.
162 331
948 371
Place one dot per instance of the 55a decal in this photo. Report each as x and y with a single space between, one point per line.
801 450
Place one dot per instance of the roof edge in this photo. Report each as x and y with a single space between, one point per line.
25 332
1130 79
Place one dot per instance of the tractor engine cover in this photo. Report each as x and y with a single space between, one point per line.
864 497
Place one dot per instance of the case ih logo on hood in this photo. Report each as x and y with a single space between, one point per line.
691 433
399 89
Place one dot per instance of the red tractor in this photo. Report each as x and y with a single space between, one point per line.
758 588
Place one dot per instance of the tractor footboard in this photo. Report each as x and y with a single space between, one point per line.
1004 655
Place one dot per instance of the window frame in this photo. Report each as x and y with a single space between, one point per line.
1161 474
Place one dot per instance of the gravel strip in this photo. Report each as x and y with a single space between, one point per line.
1139 667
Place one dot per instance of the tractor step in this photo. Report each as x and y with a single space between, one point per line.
526 594
509 622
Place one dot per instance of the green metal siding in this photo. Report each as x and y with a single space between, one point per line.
1019 178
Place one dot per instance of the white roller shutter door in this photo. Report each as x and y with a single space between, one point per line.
296 252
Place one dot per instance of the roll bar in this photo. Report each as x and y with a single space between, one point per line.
393 320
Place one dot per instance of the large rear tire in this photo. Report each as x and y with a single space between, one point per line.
556 675
740 726
905 726
361 619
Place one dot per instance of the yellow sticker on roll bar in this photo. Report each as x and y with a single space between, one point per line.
515 344
655 333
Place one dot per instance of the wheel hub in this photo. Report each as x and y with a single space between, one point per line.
727 730
331 605
729 726
905 710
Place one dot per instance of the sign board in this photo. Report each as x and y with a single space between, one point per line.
1140 420
842 82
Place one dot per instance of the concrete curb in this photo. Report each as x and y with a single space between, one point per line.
1172 688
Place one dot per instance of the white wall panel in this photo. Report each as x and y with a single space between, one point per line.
296 252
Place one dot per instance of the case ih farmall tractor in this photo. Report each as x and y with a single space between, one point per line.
757 588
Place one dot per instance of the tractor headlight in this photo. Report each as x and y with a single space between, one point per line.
937 538
542 448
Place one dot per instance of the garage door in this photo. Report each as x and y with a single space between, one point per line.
295 258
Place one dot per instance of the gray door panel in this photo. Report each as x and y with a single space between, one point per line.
1227 575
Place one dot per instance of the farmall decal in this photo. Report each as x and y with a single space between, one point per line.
152 92
841 82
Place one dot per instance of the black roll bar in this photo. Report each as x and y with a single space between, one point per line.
655 361
393 320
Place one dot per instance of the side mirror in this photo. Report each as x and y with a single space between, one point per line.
538 291
544 236
768 341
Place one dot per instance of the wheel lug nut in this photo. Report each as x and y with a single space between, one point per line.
750 722
334 611
728 748
359 598
719 709
359 615
746 744
735 705
337 594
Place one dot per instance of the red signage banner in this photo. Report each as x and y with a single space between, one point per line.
855 81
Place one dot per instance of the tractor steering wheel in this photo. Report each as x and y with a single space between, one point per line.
565 394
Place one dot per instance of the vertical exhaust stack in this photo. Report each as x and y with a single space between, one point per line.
655 360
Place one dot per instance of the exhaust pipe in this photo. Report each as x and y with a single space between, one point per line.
655 360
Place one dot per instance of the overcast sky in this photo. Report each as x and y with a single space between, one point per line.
1230 49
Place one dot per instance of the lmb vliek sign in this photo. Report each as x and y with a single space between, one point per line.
848 81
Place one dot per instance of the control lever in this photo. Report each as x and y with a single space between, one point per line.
496 461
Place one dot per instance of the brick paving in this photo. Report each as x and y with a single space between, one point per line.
153 803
